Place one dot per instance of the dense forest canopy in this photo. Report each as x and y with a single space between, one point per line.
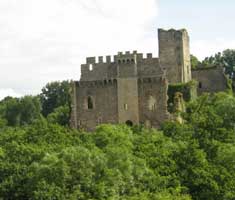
42 158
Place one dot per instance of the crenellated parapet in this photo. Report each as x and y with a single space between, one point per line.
120 57
133 57
98 83
99 60
126 57
123 64
98 68
172 33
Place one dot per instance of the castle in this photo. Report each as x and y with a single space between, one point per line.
132 88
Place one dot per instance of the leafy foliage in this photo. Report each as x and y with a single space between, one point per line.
194 62
40 159
191 161
189 91
53 103
61 115
54 95
47 161
23 111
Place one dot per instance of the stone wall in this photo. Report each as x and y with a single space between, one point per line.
105 105
126 65
93 70
210 79
187 76
128 105
121 65
73 115
153 101
149 67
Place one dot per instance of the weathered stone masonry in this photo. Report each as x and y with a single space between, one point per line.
210 79
131 89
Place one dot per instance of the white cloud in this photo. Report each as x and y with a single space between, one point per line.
47 40
8 92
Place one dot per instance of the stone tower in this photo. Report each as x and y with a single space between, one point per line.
127 87
174 55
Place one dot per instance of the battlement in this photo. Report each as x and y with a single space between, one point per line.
127 53
126 57
172 33
173 30
99 59
121 57
98 83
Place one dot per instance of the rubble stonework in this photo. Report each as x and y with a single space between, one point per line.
131 88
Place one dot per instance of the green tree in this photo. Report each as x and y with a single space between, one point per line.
12 111
54 95
60 115
20 111
194 62
30 109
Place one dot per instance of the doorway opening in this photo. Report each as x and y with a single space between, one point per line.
129 123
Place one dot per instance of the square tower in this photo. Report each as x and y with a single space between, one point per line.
174 55
127 87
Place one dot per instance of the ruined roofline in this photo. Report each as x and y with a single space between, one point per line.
183 30
210 67
119 56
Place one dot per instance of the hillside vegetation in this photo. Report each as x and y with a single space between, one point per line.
41 158
44 160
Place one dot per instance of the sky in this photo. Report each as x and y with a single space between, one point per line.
47 40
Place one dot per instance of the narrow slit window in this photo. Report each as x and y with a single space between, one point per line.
90 67
200 85
90 104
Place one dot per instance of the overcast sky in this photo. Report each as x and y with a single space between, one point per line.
47 40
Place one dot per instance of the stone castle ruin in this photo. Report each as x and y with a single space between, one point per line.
131 88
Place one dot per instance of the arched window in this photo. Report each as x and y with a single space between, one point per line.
152 103
90 104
